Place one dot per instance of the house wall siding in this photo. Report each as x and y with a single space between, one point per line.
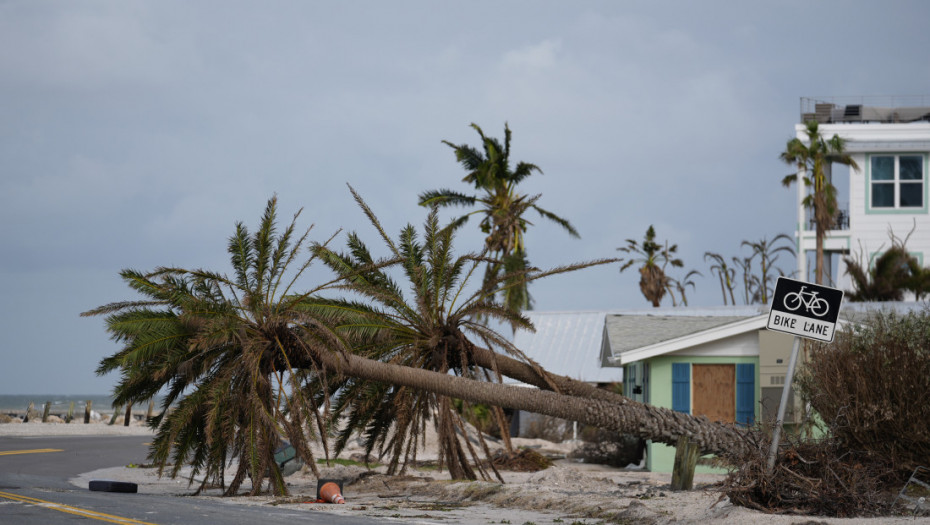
746 344
660 457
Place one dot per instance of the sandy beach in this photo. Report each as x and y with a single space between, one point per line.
569 492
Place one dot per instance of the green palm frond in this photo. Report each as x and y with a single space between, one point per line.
427 327
446 197
228 355
654 258
558 220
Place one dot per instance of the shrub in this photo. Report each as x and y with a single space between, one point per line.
870 386
814 477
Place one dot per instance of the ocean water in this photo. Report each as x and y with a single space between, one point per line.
60 403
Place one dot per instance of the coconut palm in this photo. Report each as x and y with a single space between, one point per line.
226 349
655 258
767 253
813 159
433 329
724 273
502 209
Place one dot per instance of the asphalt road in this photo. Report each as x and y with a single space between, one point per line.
34 488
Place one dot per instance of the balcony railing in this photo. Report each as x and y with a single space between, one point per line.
841 222
891 109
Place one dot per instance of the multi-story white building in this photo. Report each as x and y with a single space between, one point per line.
889 138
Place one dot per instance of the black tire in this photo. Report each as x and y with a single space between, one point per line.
114 486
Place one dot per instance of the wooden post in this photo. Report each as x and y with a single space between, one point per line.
116 411
686 454
70 415
29 411
87 411
48 406
148 414
128 415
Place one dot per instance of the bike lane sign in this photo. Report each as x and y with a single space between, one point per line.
805 309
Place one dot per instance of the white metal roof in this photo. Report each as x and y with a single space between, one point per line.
569 344
591 345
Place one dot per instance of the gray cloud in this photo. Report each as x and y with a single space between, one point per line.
135 135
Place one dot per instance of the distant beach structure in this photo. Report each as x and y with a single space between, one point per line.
17 404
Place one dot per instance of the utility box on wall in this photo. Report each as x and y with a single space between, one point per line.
774 353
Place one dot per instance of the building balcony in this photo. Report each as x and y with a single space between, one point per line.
841 223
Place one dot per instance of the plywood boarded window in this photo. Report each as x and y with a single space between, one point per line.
714 391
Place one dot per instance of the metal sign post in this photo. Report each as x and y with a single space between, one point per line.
804 310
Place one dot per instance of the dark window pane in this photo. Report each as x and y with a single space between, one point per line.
911 167
882 168
882 195
912 194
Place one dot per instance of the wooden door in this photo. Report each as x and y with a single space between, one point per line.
714 392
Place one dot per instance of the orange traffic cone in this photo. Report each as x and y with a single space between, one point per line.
331 492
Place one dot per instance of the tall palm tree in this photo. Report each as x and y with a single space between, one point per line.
767 252
813 158
502 208
655 258
432 329
226 349
725 273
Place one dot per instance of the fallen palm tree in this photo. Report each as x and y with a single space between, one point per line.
246 360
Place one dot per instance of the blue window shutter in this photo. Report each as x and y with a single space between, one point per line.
633 378
681 387
645 382
745 394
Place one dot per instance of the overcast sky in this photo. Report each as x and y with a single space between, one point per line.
135 134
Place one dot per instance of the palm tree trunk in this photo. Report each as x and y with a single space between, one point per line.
730 287
538 377
819 262
660 425
765 280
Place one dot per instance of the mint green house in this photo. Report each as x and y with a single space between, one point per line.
719 363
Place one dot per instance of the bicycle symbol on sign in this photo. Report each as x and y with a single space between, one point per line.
813 304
